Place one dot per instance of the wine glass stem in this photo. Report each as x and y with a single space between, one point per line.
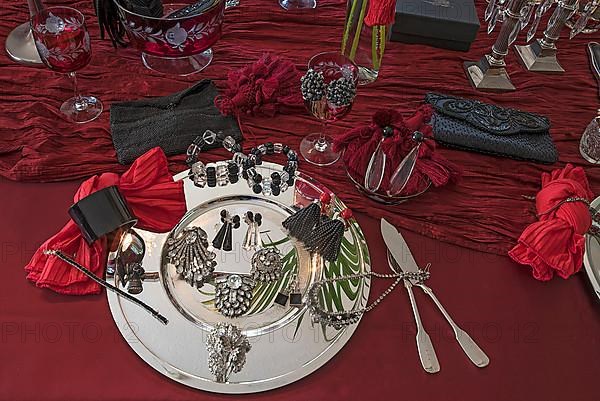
321 145
80 103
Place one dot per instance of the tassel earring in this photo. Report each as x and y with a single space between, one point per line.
316 230
224 238
300 225
326 239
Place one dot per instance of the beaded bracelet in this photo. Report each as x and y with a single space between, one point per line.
241 165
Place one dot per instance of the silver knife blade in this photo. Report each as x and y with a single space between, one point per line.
398 247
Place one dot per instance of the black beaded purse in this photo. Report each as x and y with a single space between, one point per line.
480 127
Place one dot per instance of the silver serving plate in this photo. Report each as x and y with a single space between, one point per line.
285 345
591 258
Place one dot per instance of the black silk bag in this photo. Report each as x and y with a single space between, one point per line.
480 127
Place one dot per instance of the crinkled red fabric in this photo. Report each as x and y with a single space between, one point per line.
263 87
556 243
154 198
484 211
360 143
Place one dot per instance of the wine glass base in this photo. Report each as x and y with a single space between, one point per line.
366 75
178 65
297 4
20 46
82 110
317 149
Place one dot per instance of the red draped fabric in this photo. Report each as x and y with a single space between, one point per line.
556 243
484 211
153 197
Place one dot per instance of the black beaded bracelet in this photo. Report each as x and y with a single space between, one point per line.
230 171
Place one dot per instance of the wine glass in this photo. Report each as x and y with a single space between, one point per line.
297 4
328 90
62 40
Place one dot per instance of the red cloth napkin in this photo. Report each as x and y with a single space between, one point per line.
154 198
555 244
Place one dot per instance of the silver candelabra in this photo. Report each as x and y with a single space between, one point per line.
541 54
489 73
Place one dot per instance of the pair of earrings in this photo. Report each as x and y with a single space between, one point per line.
291 293
224 238
318 232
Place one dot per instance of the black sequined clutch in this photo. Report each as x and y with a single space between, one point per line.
480 127
171 122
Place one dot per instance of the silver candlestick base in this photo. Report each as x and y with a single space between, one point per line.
488 74
20 46
537 58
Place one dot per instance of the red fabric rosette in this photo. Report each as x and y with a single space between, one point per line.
556 243
360 143
263 87
154 198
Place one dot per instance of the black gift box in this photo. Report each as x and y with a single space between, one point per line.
448 24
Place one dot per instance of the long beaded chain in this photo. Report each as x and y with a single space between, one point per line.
345 318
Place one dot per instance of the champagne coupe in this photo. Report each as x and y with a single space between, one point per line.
328 90
62 40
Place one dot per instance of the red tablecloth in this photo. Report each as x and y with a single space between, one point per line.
486 211
542 338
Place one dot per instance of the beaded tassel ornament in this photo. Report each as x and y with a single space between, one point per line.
318 232
326 238
301 223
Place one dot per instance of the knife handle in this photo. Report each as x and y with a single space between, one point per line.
425 348
469 346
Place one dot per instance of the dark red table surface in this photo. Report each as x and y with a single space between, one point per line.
542 338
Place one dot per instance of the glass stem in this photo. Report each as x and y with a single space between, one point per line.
80 103
321 145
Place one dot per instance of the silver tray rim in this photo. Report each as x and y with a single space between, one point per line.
200 383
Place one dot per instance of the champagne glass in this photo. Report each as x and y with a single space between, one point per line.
63 42
328 89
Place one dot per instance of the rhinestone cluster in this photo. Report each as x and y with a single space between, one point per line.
233 294
266 265
189 253
227 348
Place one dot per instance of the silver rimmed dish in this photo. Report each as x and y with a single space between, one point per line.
285 345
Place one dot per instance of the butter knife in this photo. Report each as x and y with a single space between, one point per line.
425 348
399 251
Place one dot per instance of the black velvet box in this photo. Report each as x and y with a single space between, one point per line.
447 24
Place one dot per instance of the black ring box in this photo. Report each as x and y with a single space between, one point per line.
101 213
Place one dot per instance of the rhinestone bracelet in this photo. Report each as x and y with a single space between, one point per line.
225 172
